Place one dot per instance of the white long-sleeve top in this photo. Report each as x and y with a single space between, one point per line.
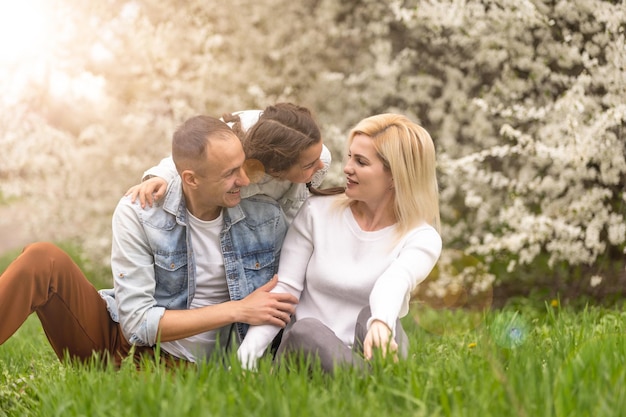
336 269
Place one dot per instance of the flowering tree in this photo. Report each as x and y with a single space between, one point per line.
551 186
525 102
524 99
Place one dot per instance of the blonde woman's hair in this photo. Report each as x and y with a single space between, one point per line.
408 153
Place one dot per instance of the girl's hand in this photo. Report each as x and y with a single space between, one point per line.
149 191
379 336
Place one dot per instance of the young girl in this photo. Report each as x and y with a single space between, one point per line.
285 154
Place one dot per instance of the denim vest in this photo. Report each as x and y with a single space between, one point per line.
154 268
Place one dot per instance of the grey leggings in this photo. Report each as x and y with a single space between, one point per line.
312 339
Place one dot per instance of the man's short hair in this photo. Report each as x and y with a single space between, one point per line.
190 140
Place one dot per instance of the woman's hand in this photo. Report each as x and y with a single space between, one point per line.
149 191
379 336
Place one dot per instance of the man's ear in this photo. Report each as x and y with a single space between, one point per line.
189 178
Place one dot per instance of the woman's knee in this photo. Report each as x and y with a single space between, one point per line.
303 328
302 334
364 316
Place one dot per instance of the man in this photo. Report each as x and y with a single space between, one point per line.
184 270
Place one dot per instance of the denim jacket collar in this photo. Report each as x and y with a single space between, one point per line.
174 203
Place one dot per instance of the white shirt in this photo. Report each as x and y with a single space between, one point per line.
211 288
336 269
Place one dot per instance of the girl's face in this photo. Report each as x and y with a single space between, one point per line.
308 164
367 178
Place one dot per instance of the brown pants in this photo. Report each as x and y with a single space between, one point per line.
45 280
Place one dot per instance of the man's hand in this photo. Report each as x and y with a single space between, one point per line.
149 191
265 307
379 336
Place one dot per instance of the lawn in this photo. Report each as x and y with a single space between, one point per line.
524 360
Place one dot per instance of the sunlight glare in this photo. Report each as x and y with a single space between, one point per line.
85 85
23 30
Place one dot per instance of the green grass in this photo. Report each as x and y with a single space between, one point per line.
527 359
516 362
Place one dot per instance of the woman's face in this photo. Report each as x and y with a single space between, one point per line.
308 164
367 179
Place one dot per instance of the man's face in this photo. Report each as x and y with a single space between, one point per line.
222 177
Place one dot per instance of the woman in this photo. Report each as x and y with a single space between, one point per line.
354 259
285 154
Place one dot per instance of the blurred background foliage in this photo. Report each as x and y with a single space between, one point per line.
524 100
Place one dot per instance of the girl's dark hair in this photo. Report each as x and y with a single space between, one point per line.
236 124
282 132
325 191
